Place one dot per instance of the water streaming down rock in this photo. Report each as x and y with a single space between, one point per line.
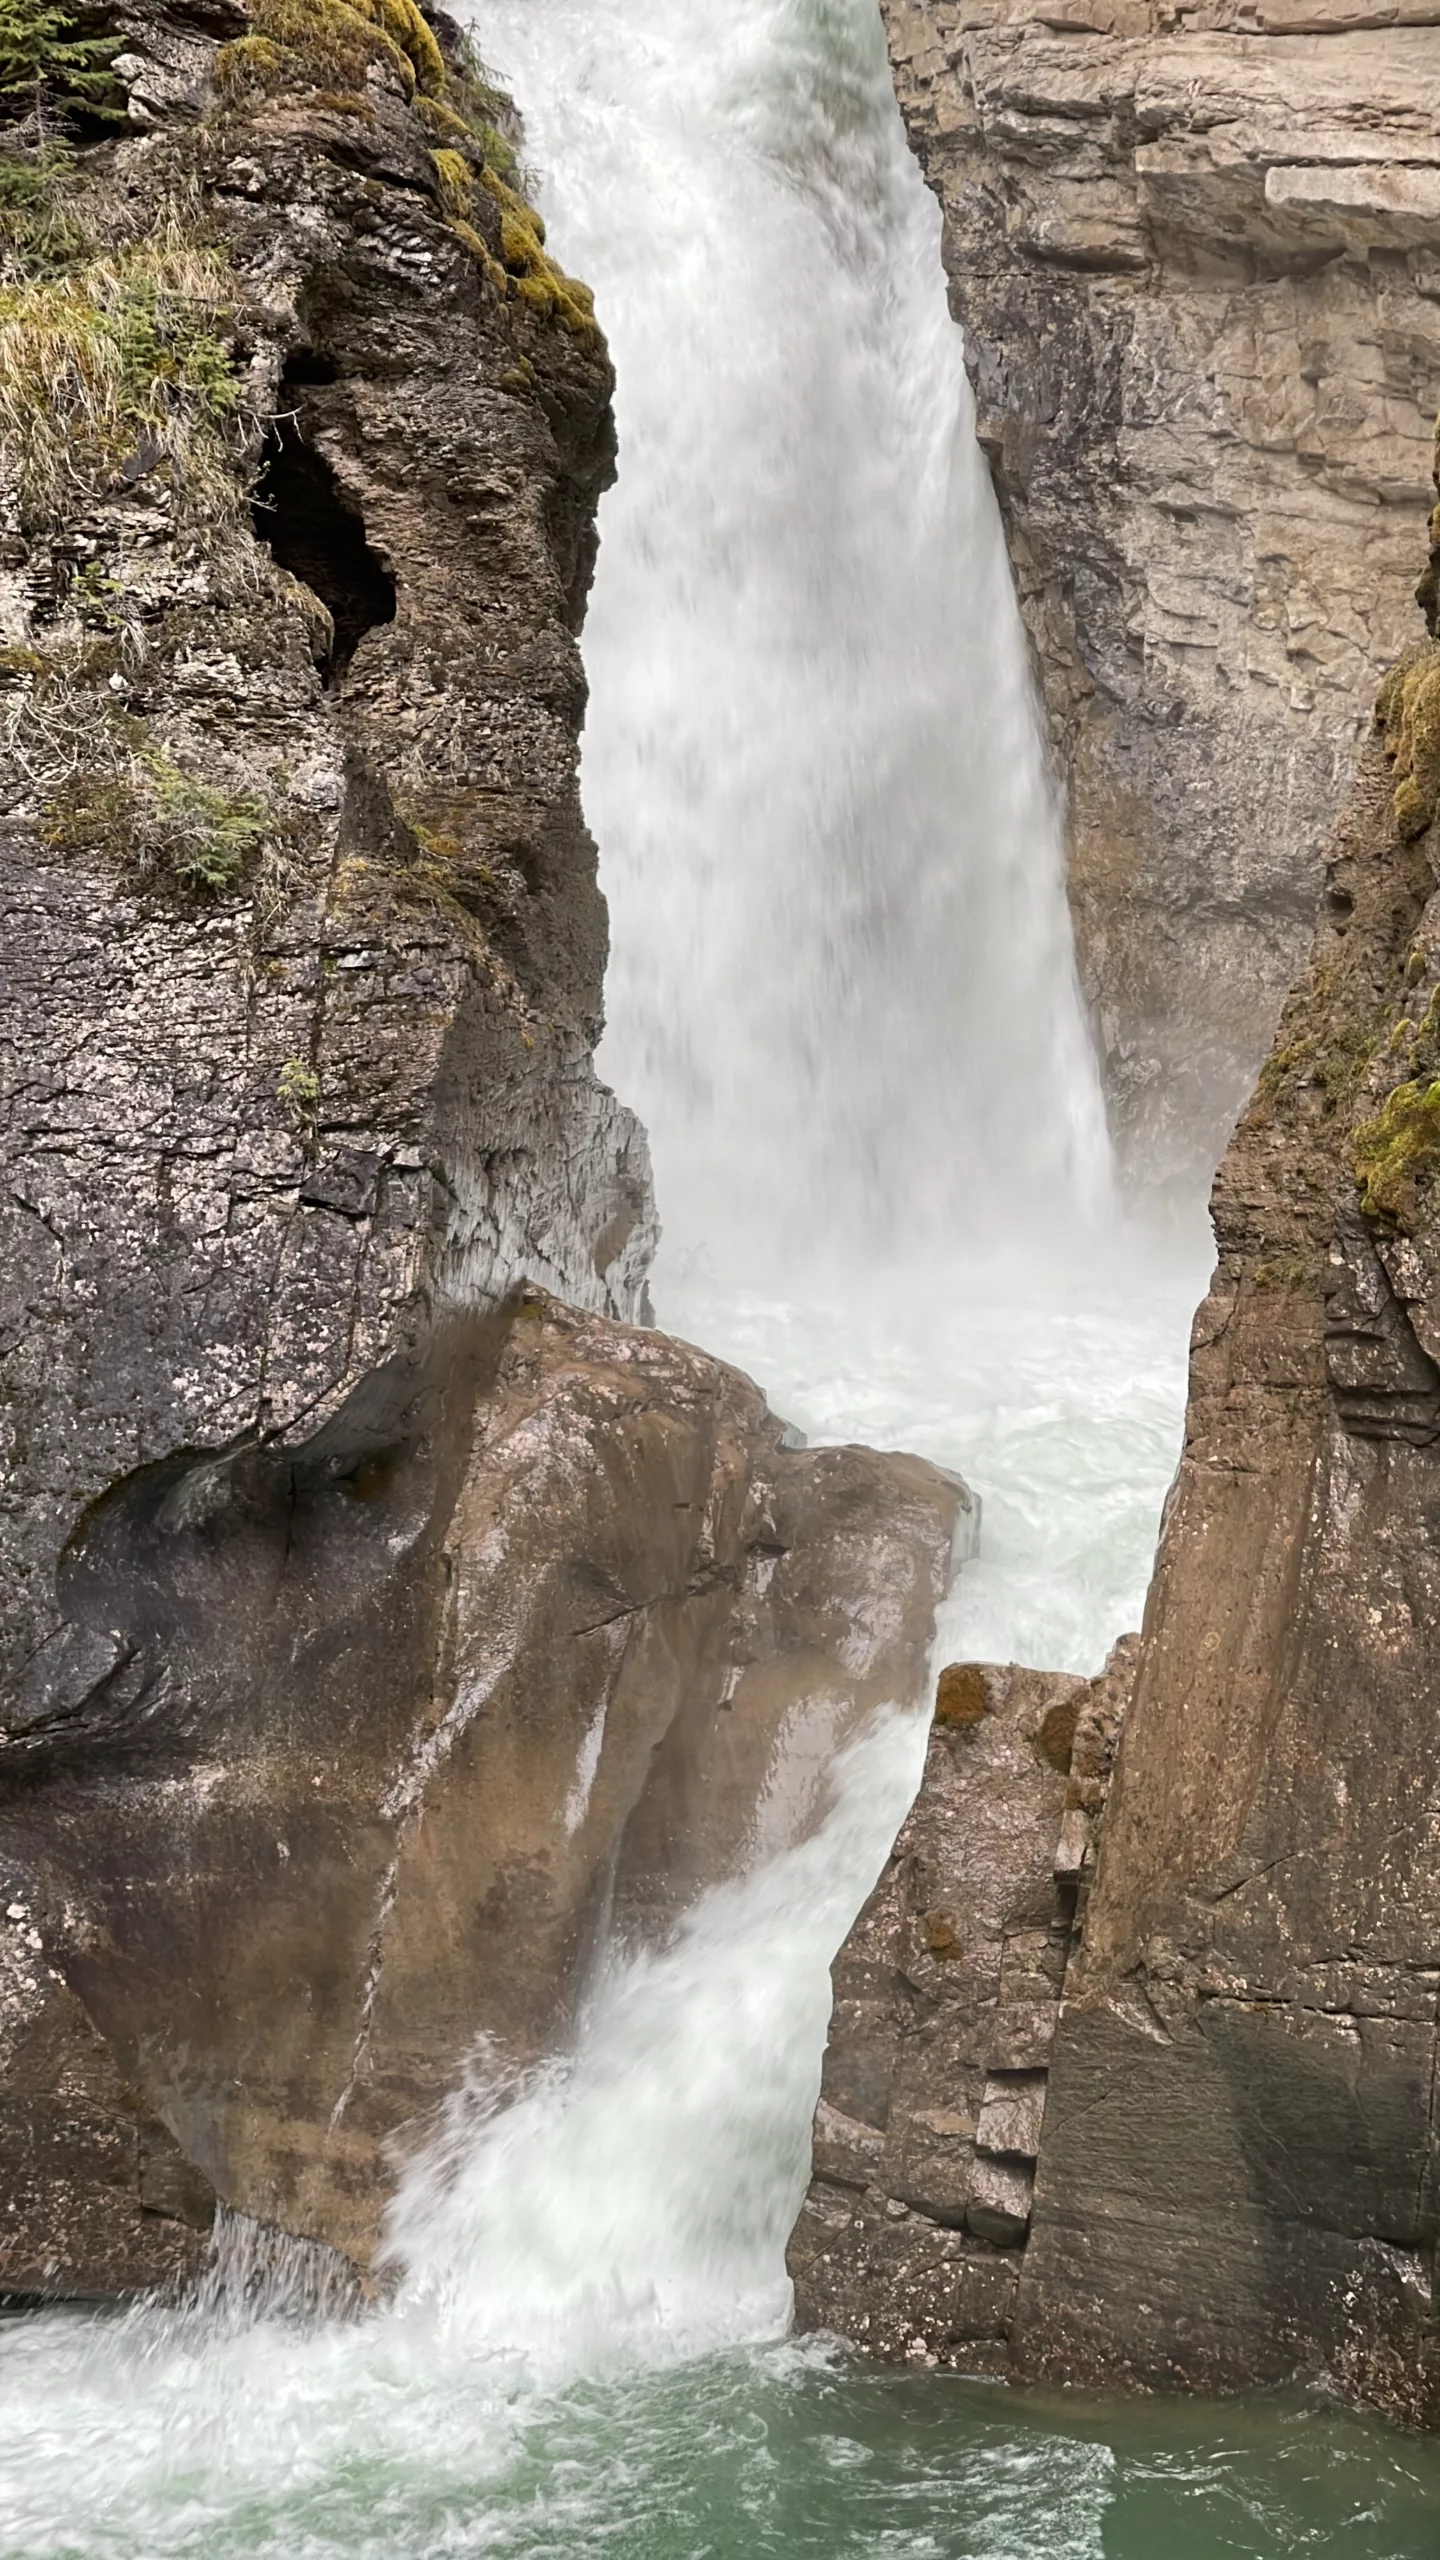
841 988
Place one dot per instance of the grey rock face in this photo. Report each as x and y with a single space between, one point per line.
947 1998
375 1627
1195 251
264 1128
255 1140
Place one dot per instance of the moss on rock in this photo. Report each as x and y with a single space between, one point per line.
329 45
962 1699
1396 1153
537 281
1408 712
159 824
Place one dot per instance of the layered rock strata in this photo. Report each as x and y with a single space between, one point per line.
1241 2174
947 1995
1196 251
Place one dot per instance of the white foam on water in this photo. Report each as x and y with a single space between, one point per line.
624 2211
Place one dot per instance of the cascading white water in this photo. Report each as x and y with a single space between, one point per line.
842 995
841 990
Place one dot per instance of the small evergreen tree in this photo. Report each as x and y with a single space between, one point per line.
51 72
53 78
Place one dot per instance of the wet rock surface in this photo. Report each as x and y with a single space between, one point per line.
1240 2169
948 1991
1196 252
301 980
370 1736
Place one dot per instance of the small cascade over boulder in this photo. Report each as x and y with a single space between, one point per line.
357 1751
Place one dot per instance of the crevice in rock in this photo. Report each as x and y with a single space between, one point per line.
315 530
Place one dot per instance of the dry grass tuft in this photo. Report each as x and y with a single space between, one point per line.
116 370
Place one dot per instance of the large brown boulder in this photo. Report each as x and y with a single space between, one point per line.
364 1739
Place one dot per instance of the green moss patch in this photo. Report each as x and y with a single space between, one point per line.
329 45
1408 711
1394 1156
158 824
535 279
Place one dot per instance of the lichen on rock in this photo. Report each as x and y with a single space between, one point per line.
1408 712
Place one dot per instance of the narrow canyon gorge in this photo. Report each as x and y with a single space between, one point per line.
451 1715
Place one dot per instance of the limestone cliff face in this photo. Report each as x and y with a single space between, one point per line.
1196 251
302 439
369 1631
1236 2154
303 944
1240 2178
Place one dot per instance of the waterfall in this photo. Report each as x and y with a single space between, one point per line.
841 991
843 998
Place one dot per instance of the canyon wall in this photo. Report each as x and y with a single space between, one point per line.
1224 2170
377 1628
1196 252
1240 2176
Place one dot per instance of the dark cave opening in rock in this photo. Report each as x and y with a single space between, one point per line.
317 531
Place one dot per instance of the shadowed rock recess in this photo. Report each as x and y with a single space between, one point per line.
1236 2174
1196 248
375 1621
